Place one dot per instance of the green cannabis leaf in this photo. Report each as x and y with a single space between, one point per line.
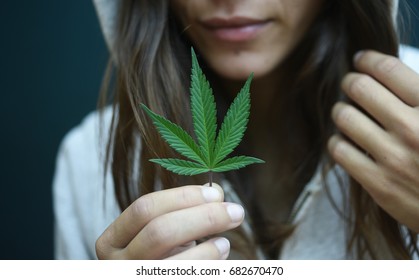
208 154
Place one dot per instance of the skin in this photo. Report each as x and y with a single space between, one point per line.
164 224
386 163
288 21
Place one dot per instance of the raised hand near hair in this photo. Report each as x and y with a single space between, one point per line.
388 166
165 225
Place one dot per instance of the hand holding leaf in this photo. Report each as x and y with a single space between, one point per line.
208 155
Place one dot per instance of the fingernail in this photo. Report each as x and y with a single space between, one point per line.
223 247
236 212
358 55
211 194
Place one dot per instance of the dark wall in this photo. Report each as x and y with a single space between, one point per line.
52 60
410 21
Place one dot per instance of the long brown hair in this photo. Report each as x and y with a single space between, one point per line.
151 64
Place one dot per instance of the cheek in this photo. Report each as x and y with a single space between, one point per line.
300 14
181 10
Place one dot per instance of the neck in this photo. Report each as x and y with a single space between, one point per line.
268 138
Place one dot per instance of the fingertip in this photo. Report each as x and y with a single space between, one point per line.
358 55
223 246
217 248
211 194
332 142
336 109
236 212
218 188
335 147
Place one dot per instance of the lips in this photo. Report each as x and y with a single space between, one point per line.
218 22
234 29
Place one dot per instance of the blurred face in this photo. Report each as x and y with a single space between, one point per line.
237 37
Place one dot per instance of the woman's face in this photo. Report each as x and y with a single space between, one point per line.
237 37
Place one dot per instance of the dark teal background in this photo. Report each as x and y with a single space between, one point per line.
52 60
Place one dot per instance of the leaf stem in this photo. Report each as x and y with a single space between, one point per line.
210 178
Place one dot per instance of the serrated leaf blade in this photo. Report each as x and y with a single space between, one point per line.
208 153
235 163
204 112
176 137
234 124
181 167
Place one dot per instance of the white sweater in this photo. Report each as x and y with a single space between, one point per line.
83 208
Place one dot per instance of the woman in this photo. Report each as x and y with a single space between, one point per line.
333 116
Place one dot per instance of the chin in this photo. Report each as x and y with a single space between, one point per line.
240 66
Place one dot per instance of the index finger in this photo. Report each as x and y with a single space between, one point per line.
152 205
392 73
